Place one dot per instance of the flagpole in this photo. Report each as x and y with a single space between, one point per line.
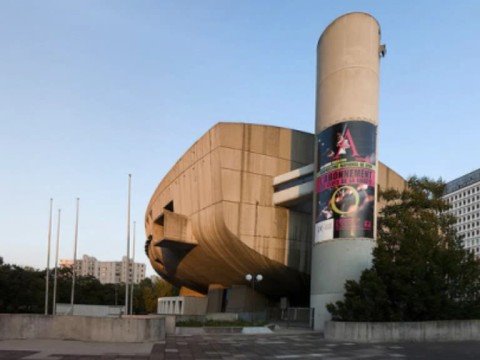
47 273
54 309
127 268
72 297
133 270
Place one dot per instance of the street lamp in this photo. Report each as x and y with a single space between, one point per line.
252 279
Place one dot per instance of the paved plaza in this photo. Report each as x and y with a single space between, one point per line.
209 347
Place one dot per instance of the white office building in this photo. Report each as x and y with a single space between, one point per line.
464 195
107 272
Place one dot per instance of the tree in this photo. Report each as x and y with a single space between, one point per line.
420 270
146 296
22 290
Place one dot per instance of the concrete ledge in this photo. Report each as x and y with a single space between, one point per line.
454 330
221 330
256 330
84 328
180 330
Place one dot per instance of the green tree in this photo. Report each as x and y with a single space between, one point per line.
420 270
147 293
21 289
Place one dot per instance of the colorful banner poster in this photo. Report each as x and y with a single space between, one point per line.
345 181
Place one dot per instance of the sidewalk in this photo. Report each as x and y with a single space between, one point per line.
301 346
44 349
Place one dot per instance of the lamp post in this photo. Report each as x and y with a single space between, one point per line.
252 279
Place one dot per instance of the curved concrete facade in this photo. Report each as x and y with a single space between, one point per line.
212 218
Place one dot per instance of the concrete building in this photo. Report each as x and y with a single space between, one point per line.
107 272
298 208
110 272
348 66
463 194
239 201
87 266
136 271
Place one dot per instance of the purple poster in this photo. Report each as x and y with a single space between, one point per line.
345 181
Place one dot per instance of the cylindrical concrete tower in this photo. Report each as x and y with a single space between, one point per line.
348 56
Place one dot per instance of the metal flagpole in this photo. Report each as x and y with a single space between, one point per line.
54 309
47 273
133 270
127 268
72 297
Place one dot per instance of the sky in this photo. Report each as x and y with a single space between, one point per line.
91 91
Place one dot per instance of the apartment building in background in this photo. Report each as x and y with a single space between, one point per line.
107 272
463 194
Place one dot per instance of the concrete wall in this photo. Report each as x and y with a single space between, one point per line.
215 298
182 305
455 330
226 224
242 298
33 326
90 310
170 324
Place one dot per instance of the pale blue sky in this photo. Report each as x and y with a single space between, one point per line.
93 90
